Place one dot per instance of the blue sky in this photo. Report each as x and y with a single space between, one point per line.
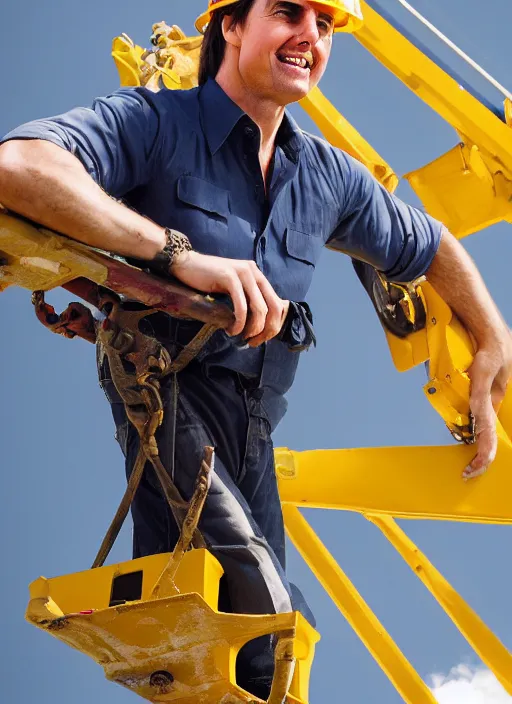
62 472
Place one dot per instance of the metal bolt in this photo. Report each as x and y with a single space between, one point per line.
434 321
161 679
432 390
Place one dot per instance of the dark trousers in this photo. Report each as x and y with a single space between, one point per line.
242 521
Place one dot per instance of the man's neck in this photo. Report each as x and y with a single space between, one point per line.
266 114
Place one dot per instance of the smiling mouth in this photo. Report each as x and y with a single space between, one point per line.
304 62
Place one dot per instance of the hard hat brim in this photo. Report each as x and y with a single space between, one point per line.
343 21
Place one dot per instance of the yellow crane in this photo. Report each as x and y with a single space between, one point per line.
153 623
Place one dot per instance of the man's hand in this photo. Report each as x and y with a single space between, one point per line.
489 374
259 312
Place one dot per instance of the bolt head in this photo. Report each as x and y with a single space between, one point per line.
161 680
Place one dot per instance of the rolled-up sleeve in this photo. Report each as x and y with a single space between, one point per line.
378 228
115 139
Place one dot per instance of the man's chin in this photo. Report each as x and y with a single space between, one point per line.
291 92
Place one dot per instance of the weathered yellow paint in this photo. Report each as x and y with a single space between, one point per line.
183 635
487 646
38 259
357 612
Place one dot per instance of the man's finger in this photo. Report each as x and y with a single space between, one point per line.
272 330
275 311
274 316
234 288
487 440
258 309
470 473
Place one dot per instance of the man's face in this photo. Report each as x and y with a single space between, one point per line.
284 47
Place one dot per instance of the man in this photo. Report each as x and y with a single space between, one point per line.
258 199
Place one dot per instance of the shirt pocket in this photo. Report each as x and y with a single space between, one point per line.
203 214
303 249
302 245
204 195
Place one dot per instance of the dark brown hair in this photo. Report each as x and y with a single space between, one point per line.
214 44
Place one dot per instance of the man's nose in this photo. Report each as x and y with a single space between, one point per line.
309 28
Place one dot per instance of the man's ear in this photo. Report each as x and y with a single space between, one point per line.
232 35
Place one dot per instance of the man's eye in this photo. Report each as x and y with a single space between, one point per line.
324 26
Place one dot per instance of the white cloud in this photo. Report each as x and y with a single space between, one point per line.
467 685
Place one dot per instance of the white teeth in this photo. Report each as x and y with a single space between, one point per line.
302 63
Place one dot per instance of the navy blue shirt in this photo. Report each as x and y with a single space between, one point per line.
189 160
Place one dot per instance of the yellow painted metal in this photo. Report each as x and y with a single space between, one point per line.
357 612
461 179
173 64
184 635
198 572
463 190
40 259
435 87
408 352
406 482
414 482
340 133
129 61
487 646
508 111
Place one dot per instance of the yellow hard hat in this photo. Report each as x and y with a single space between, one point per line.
347 13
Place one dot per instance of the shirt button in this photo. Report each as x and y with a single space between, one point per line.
249 131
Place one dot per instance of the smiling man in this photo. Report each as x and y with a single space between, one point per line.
257 199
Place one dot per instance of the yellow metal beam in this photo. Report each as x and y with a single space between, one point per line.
435 87
406 482
340 133
469 187
487 646
357 612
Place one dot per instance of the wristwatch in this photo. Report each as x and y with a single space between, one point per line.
176 243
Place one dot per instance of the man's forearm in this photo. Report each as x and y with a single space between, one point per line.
457 280
50 186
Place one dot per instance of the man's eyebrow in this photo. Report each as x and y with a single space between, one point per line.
288 3
325 16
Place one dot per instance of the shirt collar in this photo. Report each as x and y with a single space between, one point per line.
220 115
